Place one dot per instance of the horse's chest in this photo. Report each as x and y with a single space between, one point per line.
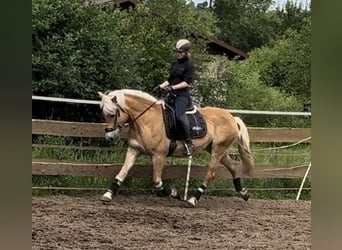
134 143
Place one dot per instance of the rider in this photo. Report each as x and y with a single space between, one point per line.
181 76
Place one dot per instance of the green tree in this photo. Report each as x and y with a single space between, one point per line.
250 24
286 63
78 50
292 16
246 24
239 85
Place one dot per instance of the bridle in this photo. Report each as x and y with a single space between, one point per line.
115 121
126 124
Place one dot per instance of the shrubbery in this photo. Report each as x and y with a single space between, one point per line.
78 51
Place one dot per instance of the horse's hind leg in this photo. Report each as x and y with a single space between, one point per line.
229 164
211 172
131 156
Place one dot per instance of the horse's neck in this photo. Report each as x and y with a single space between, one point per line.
142 111
146 121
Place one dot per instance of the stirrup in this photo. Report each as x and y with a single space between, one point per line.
189 149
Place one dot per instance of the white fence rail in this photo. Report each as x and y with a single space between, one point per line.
80 101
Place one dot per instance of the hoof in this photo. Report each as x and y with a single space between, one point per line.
107 197
174 193
192 201
244 194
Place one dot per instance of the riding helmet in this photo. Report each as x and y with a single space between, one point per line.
183 45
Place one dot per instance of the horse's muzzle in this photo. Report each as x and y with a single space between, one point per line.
112 136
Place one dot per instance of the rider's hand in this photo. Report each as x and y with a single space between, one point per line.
156 89
168 88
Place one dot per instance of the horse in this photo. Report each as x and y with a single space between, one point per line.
142 113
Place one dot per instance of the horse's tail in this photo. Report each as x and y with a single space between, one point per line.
243 148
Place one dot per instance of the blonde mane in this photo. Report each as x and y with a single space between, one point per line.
109 107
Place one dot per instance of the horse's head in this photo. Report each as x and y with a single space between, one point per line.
114 115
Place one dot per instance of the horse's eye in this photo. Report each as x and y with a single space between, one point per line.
112 116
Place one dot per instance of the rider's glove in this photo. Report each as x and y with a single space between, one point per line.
156 89
168 88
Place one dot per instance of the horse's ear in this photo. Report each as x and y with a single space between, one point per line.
101 94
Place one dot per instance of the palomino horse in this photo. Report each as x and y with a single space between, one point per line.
146 134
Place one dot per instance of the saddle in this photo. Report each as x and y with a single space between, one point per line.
198 126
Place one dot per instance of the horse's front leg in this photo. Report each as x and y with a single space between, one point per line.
158 166
131 156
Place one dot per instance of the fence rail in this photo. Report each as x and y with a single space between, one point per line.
234 111
78 168
96 130
82 129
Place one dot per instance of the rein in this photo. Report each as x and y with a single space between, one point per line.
142 113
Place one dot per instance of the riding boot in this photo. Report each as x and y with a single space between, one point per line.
184 124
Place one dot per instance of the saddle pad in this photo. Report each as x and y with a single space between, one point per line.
198 126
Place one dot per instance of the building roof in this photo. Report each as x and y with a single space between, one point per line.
124 4
218 47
